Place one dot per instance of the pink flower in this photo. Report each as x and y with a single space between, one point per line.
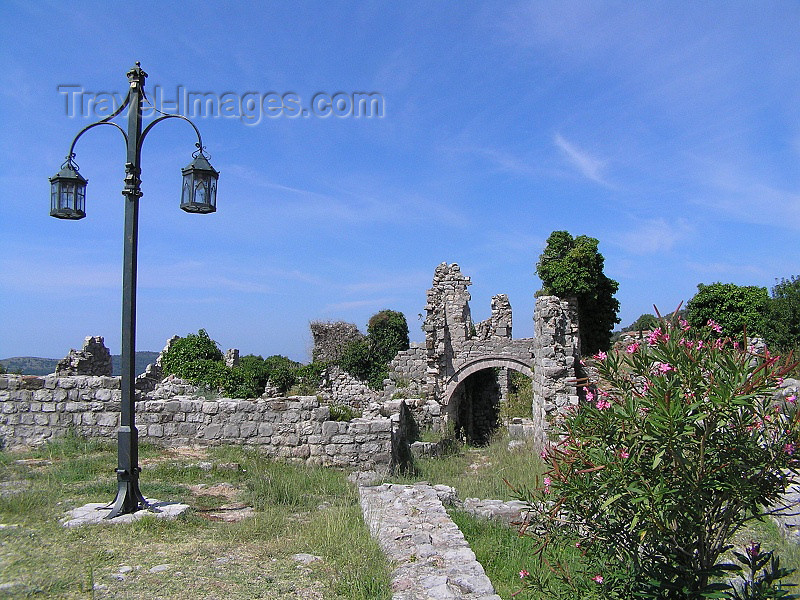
714 325
700 344
664 368
600 356
632 348
646 387
654 336
589 396
791 399
623 453
597 578
523 574
543 454
684 324
789 448
602 404
577 544
547 481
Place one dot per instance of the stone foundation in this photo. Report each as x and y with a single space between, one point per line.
34 410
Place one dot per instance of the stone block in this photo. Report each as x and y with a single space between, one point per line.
230 431
155 430
210 408
248 429
212 432
342 439
265 429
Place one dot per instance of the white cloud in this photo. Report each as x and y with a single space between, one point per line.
589 166
650 236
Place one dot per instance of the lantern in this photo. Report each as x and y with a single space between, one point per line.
68 193
199 193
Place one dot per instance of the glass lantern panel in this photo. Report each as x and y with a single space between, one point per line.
67 195
200 191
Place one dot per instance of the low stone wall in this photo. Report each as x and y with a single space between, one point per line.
36 409
340 387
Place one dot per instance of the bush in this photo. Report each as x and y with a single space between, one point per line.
782 327
733 306
573 267
185 352
387 333
368 358
672 452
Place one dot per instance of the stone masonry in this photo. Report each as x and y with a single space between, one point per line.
556 359
36 409
455 347
93 359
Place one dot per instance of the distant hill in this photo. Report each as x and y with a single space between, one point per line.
32 365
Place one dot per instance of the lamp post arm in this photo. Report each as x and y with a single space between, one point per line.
159 119
87 128
105 121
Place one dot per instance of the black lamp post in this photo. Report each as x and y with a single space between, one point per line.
68 201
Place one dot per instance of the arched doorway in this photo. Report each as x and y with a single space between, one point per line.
474 407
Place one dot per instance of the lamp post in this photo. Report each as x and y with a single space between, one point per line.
68 201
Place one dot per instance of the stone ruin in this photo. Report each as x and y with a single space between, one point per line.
331 338
93 359
466 363
457 379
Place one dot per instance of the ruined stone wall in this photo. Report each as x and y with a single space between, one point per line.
331 338
93 359
340 387
36 409
556 358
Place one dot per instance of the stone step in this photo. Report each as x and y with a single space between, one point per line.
430 557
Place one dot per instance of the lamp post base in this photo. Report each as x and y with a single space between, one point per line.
129 498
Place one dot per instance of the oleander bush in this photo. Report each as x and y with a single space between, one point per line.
674 450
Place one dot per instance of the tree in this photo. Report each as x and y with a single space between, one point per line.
573 267
368 358
782 326
645 322
387 332
732 307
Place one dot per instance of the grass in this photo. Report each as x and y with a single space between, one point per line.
298 510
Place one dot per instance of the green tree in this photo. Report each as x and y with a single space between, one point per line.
782 326
645 322
387 332
732 307
368 358
573 267
187 357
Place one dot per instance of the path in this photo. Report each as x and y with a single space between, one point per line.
432 559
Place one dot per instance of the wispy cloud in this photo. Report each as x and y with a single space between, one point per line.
588 165
649 236
734 271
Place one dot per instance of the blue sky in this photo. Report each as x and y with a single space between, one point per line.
669 131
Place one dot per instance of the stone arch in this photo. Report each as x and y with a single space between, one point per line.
479 364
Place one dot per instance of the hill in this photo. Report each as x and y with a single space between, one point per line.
33 365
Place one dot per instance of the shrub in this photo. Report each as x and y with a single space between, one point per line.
340 412
573 267
185 351
782 327
672 452
387 332
733 306
368 358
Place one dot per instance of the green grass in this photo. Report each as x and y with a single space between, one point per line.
298 509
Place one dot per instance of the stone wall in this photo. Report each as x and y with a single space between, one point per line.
331 338
556 352
339 387
93 359
36 409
